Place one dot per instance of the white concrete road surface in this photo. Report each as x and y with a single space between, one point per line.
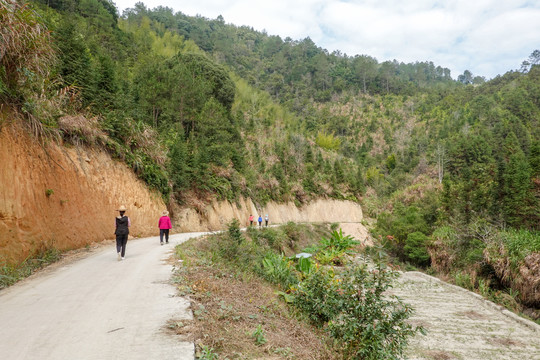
97 308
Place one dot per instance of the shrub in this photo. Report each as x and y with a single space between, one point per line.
26 48
278 270
415 248
273 238
339 242
365 322
234 232
370 324
313 296
330 256
327 141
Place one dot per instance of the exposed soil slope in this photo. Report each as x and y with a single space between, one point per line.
54 196
65 197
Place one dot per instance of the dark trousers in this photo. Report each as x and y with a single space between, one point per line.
161 232
121 241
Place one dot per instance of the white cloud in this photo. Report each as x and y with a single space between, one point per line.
487 37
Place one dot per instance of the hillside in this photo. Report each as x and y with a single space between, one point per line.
203 111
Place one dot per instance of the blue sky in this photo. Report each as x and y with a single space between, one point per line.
487 37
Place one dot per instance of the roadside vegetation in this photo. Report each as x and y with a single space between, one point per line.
253 297
10 274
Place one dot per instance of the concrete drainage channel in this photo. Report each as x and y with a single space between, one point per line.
462 324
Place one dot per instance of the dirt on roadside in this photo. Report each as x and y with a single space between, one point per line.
241 317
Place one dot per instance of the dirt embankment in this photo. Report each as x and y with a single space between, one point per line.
216 215
65 197
54 196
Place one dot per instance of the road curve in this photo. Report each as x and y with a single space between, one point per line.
97 308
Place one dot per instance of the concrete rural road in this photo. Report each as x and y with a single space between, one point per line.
97 308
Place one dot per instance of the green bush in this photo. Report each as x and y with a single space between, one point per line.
353 307
278 270
339 241
415 248
273 237
313 297
330 256
229 245
234 232
520 243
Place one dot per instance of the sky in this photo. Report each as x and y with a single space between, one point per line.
486 37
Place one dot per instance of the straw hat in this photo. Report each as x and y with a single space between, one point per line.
122 208
165 213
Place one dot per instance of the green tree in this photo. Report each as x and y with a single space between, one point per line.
415 248
518 196
466 78
76 65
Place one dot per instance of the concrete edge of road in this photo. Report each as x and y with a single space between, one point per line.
526 322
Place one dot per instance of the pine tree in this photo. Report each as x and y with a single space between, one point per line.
517 184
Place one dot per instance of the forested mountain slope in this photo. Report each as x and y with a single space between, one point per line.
449 168
201 109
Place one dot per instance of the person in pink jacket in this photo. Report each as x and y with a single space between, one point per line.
164 226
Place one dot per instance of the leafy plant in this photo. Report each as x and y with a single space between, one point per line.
207 353
415 248
259 336
277 269
330 256
327 141
353 307
339 241
305 266
234 232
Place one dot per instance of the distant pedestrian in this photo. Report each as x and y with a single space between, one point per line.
122 231
266 220
250 220
164 225
260 221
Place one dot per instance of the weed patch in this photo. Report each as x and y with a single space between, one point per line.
10 274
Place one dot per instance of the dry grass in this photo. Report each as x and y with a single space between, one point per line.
25 43
228 306
80 129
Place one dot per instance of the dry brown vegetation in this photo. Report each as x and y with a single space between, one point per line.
229 305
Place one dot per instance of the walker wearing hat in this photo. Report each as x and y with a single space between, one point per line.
122 231
164 225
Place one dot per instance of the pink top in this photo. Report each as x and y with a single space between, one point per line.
165 222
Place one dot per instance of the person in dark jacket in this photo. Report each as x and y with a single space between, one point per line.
122 231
